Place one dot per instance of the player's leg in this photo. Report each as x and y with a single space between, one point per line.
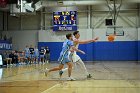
69 64
29 58
54 69
82 65
48 57
57 68
65 69
35 57
32 58
60 67
70 67
26 58
41 58
73 59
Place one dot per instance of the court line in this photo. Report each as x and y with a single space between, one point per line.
19 86
50 89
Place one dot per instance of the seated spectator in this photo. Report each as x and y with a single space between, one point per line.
7 59
14 57
21 57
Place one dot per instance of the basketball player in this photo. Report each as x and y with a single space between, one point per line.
36 54
74 57
64 57
47 54
27 52
42 54
31 54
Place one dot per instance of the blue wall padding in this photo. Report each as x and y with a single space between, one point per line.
101 51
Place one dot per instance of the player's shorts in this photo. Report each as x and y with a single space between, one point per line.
64 59
36 55
31 56
26 55
74 57
41 56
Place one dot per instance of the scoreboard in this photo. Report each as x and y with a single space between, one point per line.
65 21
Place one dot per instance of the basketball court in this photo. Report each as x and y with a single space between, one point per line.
108 77
113 60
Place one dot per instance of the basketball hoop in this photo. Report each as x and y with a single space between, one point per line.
115 30
114 9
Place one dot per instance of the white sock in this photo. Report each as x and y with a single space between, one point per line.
64 69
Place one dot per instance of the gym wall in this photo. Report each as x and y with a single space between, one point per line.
25 30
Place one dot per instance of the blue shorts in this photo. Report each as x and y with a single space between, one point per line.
36 55
41 56
26 55
64 59
31 55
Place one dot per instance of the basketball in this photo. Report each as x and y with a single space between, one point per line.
111 38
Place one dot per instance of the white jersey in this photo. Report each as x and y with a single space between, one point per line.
74 57
76 45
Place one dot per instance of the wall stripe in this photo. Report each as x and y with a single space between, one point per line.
139 50
101 51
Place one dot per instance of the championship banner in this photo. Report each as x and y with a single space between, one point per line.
5 45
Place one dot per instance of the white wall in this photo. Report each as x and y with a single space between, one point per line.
22 38
50 36
25 29
124 19
128 17
130 34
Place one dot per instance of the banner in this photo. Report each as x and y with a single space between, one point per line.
5 45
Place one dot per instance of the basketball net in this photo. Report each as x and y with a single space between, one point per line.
114 8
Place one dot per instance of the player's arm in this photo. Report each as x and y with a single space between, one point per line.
75 49
33 50
86 41
44 51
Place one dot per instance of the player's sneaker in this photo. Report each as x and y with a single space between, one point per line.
46 72
60 73
89 76
71 79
